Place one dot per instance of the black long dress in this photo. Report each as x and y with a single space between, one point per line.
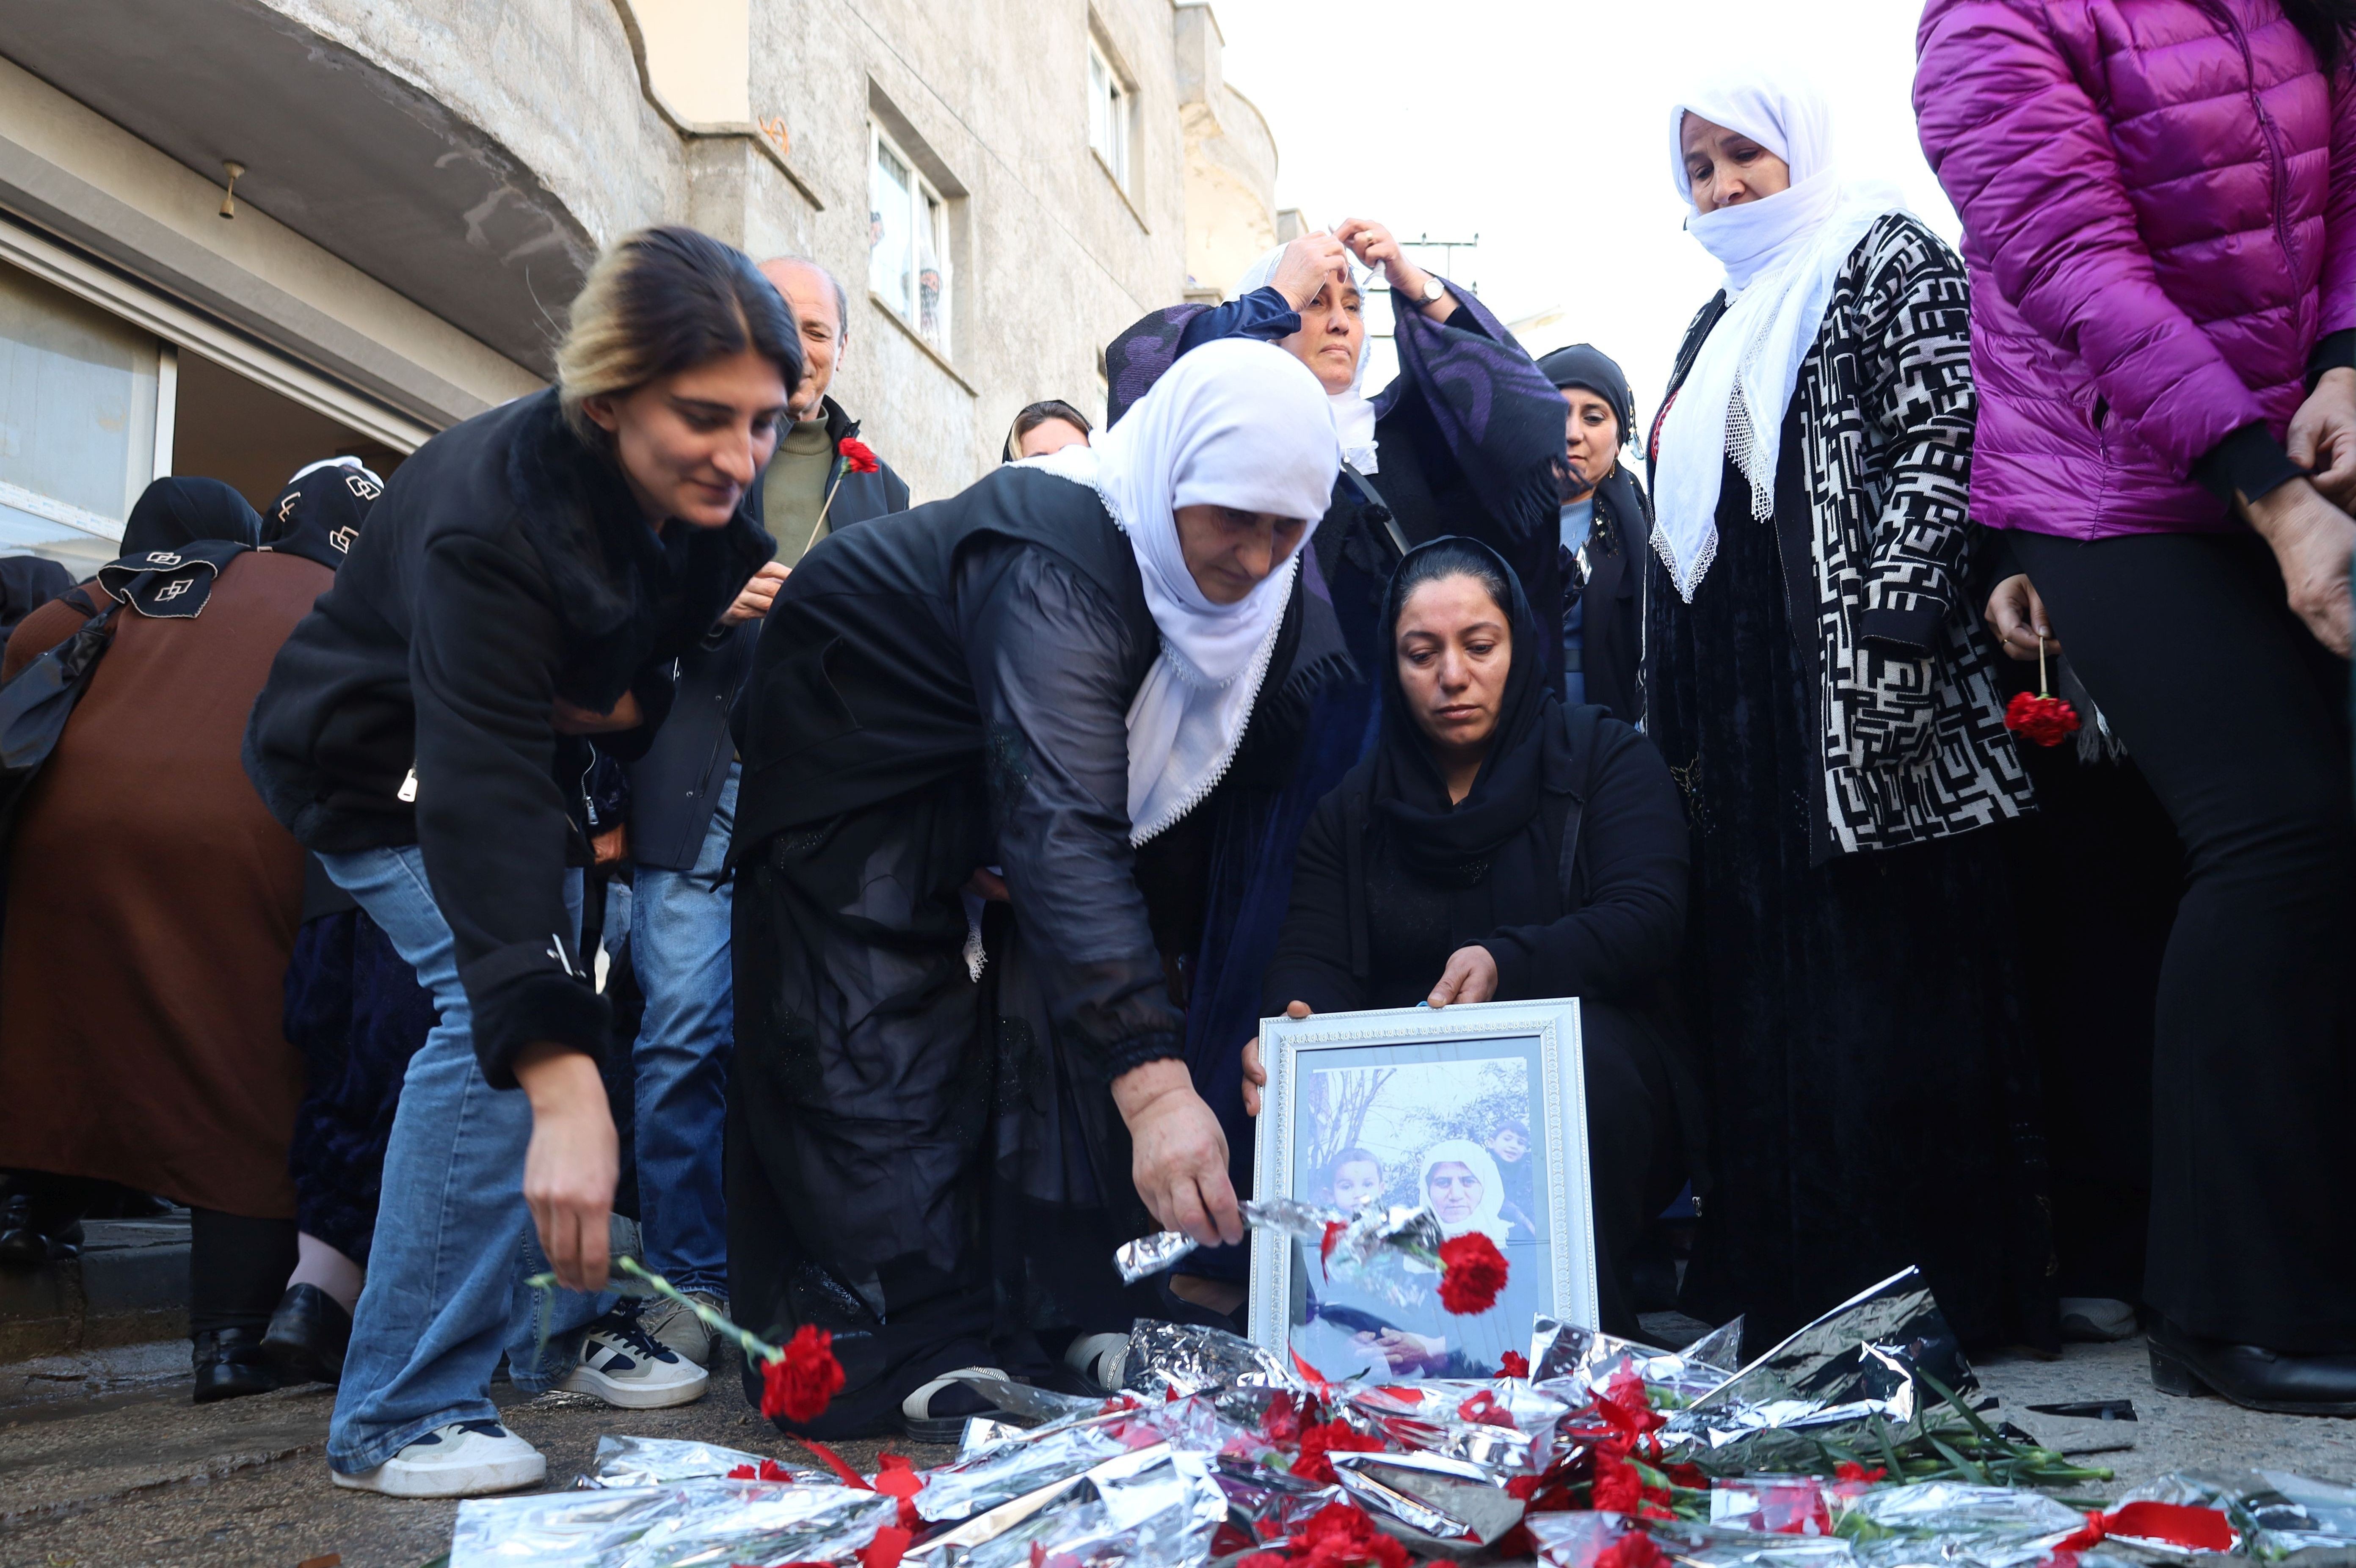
1871 1098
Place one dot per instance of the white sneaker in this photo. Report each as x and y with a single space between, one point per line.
670 1323
621 1365
464 1459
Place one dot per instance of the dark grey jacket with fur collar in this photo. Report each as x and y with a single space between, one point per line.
505 566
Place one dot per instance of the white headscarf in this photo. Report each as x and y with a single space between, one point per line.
1234 423
1781 254
1353 416
1488 1217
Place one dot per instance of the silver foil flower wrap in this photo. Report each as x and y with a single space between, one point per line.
691 1524
1950 1521
1717 1546
1834 1381
1151 1507
1182 1359
2280 1517
1047 1457
1433 1503
1577 1363
658 1461
1148 1255
1506 1426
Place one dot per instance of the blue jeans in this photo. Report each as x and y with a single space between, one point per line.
679 945
453 1241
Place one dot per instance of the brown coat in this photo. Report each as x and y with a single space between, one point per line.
152 909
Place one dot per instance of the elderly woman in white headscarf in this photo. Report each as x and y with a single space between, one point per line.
1821 689
1039 675
1462 1189
1468 439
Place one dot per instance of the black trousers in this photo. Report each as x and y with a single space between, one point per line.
1635 1155
2239 720
236 1269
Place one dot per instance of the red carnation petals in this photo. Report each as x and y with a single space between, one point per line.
1336 1536
799 1384
1473 1270
1334 1229
1317 1440
2047 721
857 454
1634 1549
1512 1364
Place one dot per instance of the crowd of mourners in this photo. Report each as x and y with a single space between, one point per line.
632 827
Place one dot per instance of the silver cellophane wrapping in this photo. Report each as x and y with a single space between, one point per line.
689 1524
1833 1381
658 1461
1953 1521
1433 1503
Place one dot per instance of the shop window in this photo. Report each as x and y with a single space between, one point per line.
908 266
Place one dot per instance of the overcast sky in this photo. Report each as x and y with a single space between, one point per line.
1542 126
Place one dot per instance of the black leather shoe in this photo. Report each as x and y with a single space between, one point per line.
231 1365
28 1240
2251 1375
307 1336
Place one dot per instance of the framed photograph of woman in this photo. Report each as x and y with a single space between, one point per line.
1477 1112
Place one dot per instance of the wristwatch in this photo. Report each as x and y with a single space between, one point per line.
1433 289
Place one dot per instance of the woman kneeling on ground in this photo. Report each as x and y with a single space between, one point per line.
1038 675
1455 827
527 579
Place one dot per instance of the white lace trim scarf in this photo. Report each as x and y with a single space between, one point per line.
1781 254
1233 424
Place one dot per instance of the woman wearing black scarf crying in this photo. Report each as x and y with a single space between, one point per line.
1516 850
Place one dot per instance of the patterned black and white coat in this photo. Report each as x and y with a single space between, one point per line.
1909 719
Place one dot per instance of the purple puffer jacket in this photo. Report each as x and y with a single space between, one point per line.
2160 217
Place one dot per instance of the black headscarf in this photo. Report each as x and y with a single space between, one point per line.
175 512
1585 365
1454 846
319 515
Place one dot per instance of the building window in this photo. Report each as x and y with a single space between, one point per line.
907 242
77 421
1108 108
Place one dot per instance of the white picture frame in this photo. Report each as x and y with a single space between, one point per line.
1404 1073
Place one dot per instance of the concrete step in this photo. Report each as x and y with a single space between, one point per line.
129 1286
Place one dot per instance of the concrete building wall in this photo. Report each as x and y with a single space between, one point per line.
427 180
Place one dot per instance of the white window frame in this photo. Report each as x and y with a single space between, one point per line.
1112 108
928 216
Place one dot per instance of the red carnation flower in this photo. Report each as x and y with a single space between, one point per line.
1319 1439
1281 1422
857 454
1473 1270
1634 1549
1619 1487
1339 1536
2047 721
1512 1364
799 1384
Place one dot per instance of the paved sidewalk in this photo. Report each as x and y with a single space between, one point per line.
139 1476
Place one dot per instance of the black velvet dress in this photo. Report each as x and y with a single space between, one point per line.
1871 1095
